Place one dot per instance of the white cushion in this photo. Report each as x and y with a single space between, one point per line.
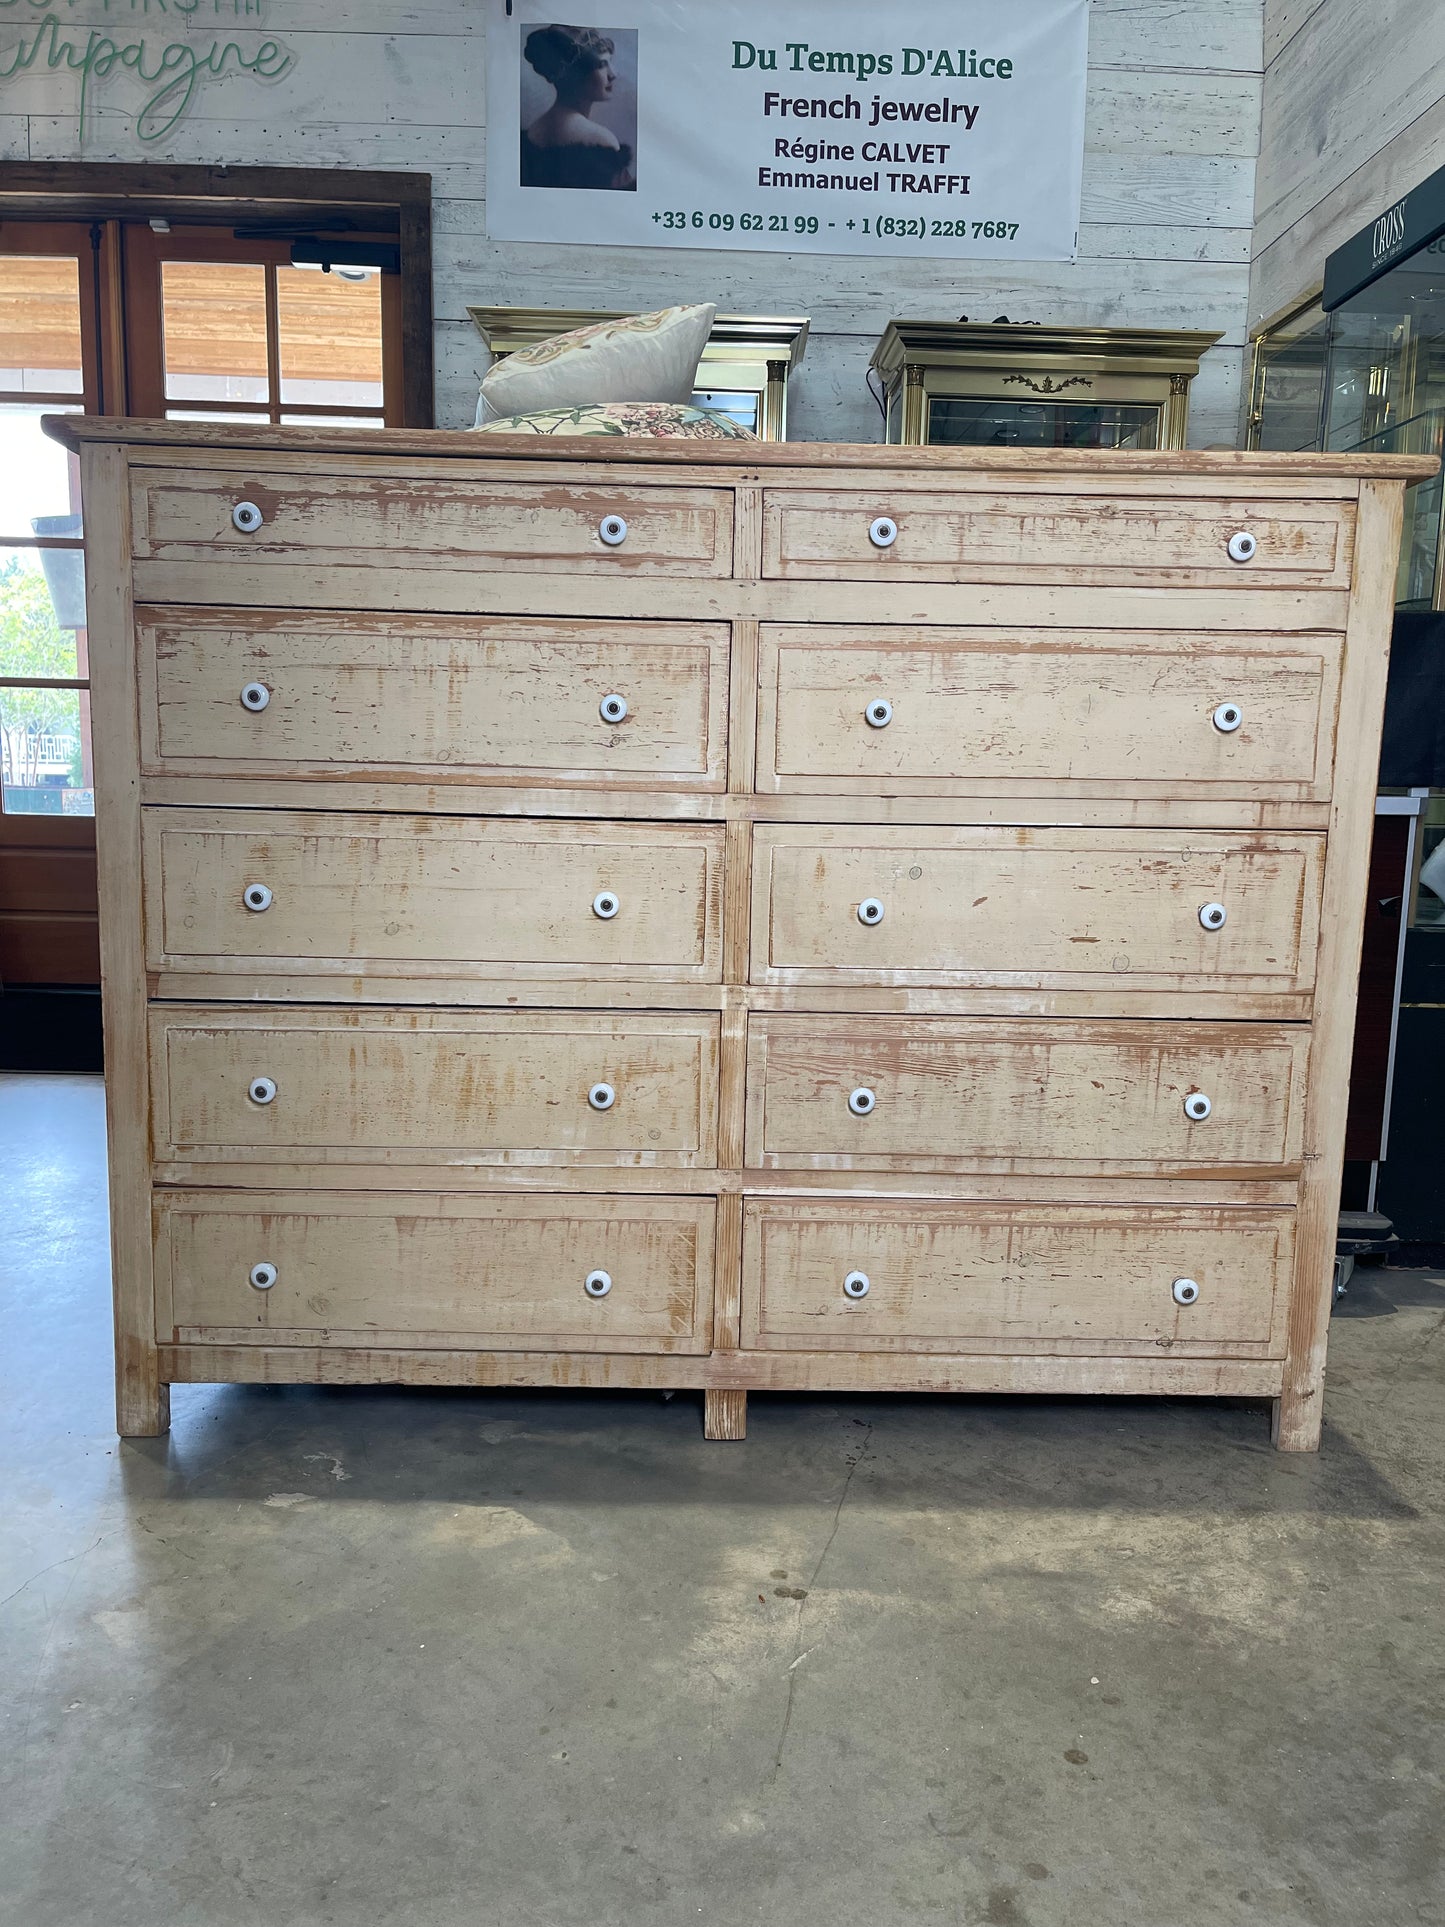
641 357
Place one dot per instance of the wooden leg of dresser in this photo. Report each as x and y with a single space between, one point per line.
1297 1418
142 1400
725 1415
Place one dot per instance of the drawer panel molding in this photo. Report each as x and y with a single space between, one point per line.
1056 908
943 1093
361 521
932 1277
585 1273
515 700
915 711
233 891
291 1086
975 535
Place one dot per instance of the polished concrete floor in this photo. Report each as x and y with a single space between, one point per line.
523 1660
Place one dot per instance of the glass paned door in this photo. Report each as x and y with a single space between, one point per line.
46 367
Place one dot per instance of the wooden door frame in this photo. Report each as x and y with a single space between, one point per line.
144 253
332 201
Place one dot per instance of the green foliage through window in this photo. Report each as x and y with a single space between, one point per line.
38 727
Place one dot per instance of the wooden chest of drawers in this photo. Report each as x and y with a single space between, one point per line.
750 916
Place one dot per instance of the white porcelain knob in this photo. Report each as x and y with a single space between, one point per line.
612 708
263 1276
262 1090
862 1101
883 532
255 696
870 911
1241 546
602 1097
256 896
1213 915
855 1285
613 531
597 1284
1185 1291
605 905
1227 718
879 713
1197 1106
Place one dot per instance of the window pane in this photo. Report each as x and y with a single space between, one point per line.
332 421
215 415
40 323
744 406
214 322
1430 898
1007 424
42 604
44 759
38 478
330 337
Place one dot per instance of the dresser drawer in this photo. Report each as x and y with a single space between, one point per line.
929 712
252 693
358 520
1057 536
508 1087
505 1271
1059 909
934 1093
944 1277
445 896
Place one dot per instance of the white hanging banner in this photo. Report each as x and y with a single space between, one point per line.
819 126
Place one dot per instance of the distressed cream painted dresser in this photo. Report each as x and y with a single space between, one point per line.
728 915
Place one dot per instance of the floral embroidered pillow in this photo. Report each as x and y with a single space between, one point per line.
625 418
642 357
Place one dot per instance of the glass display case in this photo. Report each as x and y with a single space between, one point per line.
1385 390
1020 385
1360 365
1287 380
1368 375
744 371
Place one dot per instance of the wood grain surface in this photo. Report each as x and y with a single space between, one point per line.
1005 710
515 700
459 1270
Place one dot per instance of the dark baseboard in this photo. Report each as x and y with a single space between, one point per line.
50 1028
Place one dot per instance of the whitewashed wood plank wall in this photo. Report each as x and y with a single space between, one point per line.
1169 180
1354 117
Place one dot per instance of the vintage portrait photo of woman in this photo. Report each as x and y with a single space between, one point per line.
579 108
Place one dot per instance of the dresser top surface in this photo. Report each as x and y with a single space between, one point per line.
823 458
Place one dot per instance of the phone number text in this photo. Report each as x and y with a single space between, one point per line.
887 226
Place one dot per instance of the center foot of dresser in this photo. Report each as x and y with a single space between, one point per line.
725 1415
